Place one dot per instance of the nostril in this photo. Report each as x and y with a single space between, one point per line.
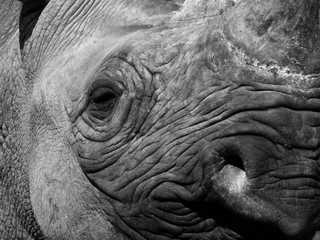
234 160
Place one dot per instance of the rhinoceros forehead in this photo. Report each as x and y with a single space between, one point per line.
63 24
67 24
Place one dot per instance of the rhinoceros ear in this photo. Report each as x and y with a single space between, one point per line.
30 13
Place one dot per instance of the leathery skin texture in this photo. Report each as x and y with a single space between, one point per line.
158 120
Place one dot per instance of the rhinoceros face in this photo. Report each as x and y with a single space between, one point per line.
159 120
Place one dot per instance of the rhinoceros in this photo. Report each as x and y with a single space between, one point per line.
159 119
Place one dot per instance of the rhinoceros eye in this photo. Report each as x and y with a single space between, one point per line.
101 102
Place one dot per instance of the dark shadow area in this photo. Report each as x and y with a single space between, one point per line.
30 13
234 160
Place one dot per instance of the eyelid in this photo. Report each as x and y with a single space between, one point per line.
101 91
115 86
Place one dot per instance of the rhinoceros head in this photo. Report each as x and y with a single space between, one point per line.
158 120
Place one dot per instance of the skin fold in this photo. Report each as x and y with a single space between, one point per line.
145 119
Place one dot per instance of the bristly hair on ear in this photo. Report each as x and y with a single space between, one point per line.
30 13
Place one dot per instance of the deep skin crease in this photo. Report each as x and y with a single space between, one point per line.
157 120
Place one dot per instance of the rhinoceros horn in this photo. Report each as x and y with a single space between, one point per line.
285 33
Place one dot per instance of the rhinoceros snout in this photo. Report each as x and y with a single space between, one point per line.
266 183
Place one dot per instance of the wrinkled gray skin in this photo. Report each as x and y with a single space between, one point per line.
161 120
